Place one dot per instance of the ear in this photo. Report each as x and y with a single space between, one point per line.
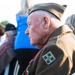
47 21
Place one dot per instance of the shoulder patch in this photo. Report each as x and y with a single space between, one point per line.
48 58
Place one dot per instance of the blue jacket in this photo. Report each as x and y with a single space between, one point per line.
22 40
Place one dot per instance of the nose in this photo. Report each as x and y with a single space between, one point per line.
27 31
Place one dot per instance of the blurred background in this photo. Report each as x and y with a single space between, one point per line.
9 8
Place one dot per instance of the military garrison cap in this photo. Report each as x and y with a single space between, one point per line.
53 8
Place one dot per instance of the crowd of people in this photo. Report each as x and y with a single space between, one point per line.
40 44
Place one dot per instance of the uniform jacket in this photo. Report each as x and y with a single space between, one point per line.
57 56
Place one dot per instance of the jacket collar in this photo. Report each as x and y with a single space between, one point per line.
61 30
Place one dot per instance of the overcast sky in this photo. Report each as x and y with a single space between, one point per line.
9 8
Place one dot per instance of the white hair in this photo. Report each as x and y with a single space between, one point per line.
11 32
53 17
42 12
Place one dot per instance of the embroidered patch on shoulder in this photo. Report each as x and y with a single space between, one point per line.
48 58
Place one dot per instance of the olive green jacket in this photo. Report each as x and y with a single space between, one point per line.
57 56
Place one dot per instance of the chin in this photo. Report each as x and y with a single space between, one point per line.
32 43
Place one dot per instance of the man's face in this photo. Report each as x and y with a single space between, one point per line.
35 29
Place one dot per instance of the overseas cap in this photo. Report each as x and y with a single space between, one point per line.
56 9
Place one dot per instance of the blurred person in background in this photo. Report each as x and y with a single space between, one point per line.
2 35
70 21
25 52
7 54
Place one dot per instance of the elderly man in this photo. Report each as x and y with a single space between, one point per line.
56 41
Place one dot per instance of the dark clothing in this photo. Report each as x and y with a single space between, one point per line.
12 68
57 56
24 51
6 53
20 62
23 56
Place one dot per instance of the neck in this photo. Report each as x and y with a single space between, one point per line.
42 45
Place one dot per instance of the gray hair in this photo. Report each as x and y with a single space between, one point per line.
45 12
11 32
70 21
55 21
53 17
